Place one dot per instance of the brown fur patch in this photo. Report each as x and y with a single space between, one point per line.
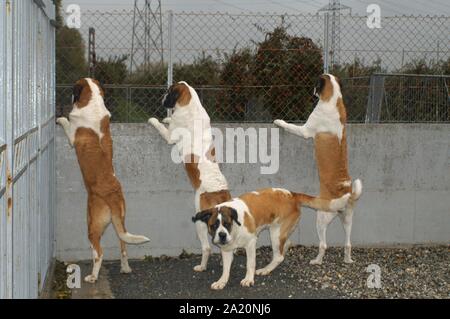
268 206
96 163
191 166
106 142
210 199
342 111
184 94
272 206
226 215
86 93
249 223
105 197
327 90
332 163
212 220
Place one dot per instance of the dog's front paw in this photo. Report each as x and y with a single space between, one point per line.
167 120
247 282
316 261
279 123
348 260
218 285
199 268
154 121
125 270
61 120
263 272
90 279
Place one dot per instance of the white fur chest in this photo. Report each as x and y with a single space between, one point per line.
191 130
326 119
89 116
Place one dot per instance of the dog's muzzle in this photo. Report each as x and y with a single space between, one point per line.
222 238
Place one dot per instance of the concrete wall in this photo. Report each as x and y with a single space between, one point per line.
405 171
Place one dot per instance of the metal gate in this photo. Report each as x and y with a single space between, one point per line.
27 150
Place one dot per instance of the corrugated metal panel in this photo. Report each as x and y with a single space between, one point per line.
27 129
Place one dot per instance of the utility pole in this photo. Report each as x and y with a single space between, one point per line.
147 38
332 32
92 56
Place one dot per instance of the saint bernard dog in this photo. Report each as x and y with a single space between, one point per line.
237 223
198 153
326 124
88 131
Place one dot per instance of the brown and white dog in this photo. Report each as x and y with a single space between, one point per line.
237 223
88 131
190 129
326 124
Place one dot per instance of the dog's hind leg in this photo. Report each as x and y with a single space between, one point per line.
99 217
279 235
347 219
277 257
322 222
124 267
202 233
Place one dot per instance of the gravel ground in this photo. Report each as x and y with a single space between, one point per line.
414 272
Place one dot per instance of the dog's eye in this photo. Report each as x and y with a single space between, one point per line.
215 225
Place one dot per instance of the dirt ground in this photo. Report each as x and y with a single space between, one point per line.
414 272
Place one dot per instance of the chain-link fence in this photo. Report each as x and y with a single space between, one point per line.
250 67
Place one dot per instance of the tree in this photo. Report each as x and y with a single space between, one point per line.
70 51
275 80
112 70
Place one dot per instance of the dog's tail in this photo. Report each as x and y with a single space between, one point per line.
356 190
331 205
118 220
327 205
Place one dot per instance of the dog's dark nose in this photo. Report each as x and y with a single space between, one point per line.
222 236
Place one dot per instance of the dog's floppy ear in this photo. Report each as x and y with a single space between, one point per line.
234 216
76 93
171 98
319 86
203 216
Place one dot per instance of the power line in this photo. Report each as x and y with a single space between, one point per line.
229 5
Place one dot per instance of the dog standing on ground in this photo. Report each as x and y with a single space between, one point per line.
197 151
88 131
326 124
237 223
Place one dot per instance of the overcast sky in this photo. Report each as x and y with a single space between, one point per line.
388 7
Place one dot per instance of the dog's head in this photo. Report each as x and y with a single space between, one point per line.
178 94
327 86
220 221
84 90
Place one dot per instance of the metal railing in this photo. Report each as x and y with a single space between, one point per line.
27 146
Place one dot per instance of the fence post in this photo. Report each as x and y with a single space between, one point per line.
326 50
375 99
10 12
170 63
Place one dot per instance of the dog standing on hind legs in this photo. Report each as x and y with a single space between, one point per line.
197 151
88 131
326 124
